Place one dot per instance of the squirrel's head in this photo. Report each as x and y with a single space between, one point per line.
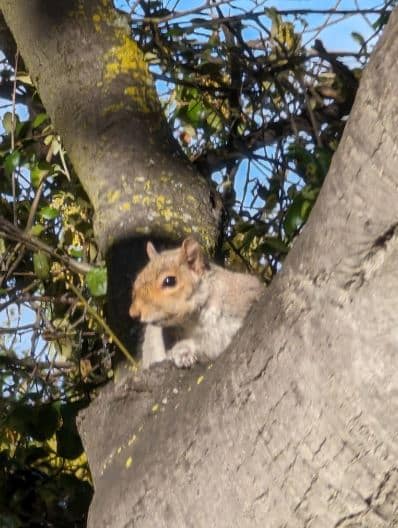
163 292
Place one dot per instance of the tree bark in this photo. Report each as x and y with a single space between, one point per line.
296 424
96 87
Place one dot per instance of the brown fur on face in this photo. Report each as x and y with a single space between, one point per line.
156 303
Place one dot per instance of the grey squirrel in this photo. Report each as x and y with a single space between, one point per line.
179 293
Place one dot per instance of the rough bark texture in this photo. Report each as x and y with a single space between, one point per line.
296 425
95 85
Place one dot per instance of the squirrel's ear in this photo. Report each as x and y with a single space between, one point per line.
193 254
151 251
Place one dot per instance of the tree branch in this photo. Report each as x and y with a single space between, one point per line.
11 232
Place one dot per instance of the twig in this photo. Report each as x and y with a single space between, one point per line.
179 14
31 363
19 295
104 325
8 230
14 90
251 15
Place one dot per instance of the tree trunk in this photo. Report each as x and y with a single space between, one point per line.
296 425
96 87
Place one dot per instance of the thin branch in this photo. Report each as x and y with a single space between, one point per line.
13 123
32 364
104 325
251 15
11 232
179 14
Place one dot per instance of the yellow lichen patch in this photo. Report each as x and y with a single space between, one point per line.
97 21
160 201
144 230
207 240
103 16
155 408
125 206
132 440
146 200
200 379
128 59
168 228
113 196
114 108
119 450
129 461
164 178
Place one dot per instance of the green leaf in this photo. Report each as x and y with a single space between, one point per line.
9 122
358 38
21 129
49 213
382 20
39 172
39 120
214 121
297 214
96 280
195 113
37 229
41 265
11 162
275 244
76 252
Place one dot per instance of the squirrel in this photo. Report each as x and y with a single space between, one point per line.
192 308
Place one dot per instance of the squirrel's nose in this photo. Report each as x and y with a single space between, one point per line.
134 312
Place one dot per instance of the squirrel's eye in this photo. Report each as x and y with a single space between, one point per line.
169 282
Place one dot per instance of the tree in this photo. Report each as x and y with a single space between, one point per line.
294 425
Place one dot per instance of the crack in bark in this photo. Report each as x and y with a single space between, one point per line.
349 517
374 258
318 449
306 493
264 368
261 496
384 497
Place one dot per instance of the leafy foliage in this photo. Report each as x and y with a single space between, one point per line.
258 104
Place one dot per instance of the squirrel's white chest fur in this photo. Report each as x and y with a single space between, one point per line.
219 307
201 341
199 305
212 332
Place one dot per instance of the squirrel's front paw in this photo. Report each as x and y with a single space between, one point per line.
183 354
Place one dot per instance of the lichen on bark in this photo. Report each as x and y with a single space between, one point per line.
103 102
